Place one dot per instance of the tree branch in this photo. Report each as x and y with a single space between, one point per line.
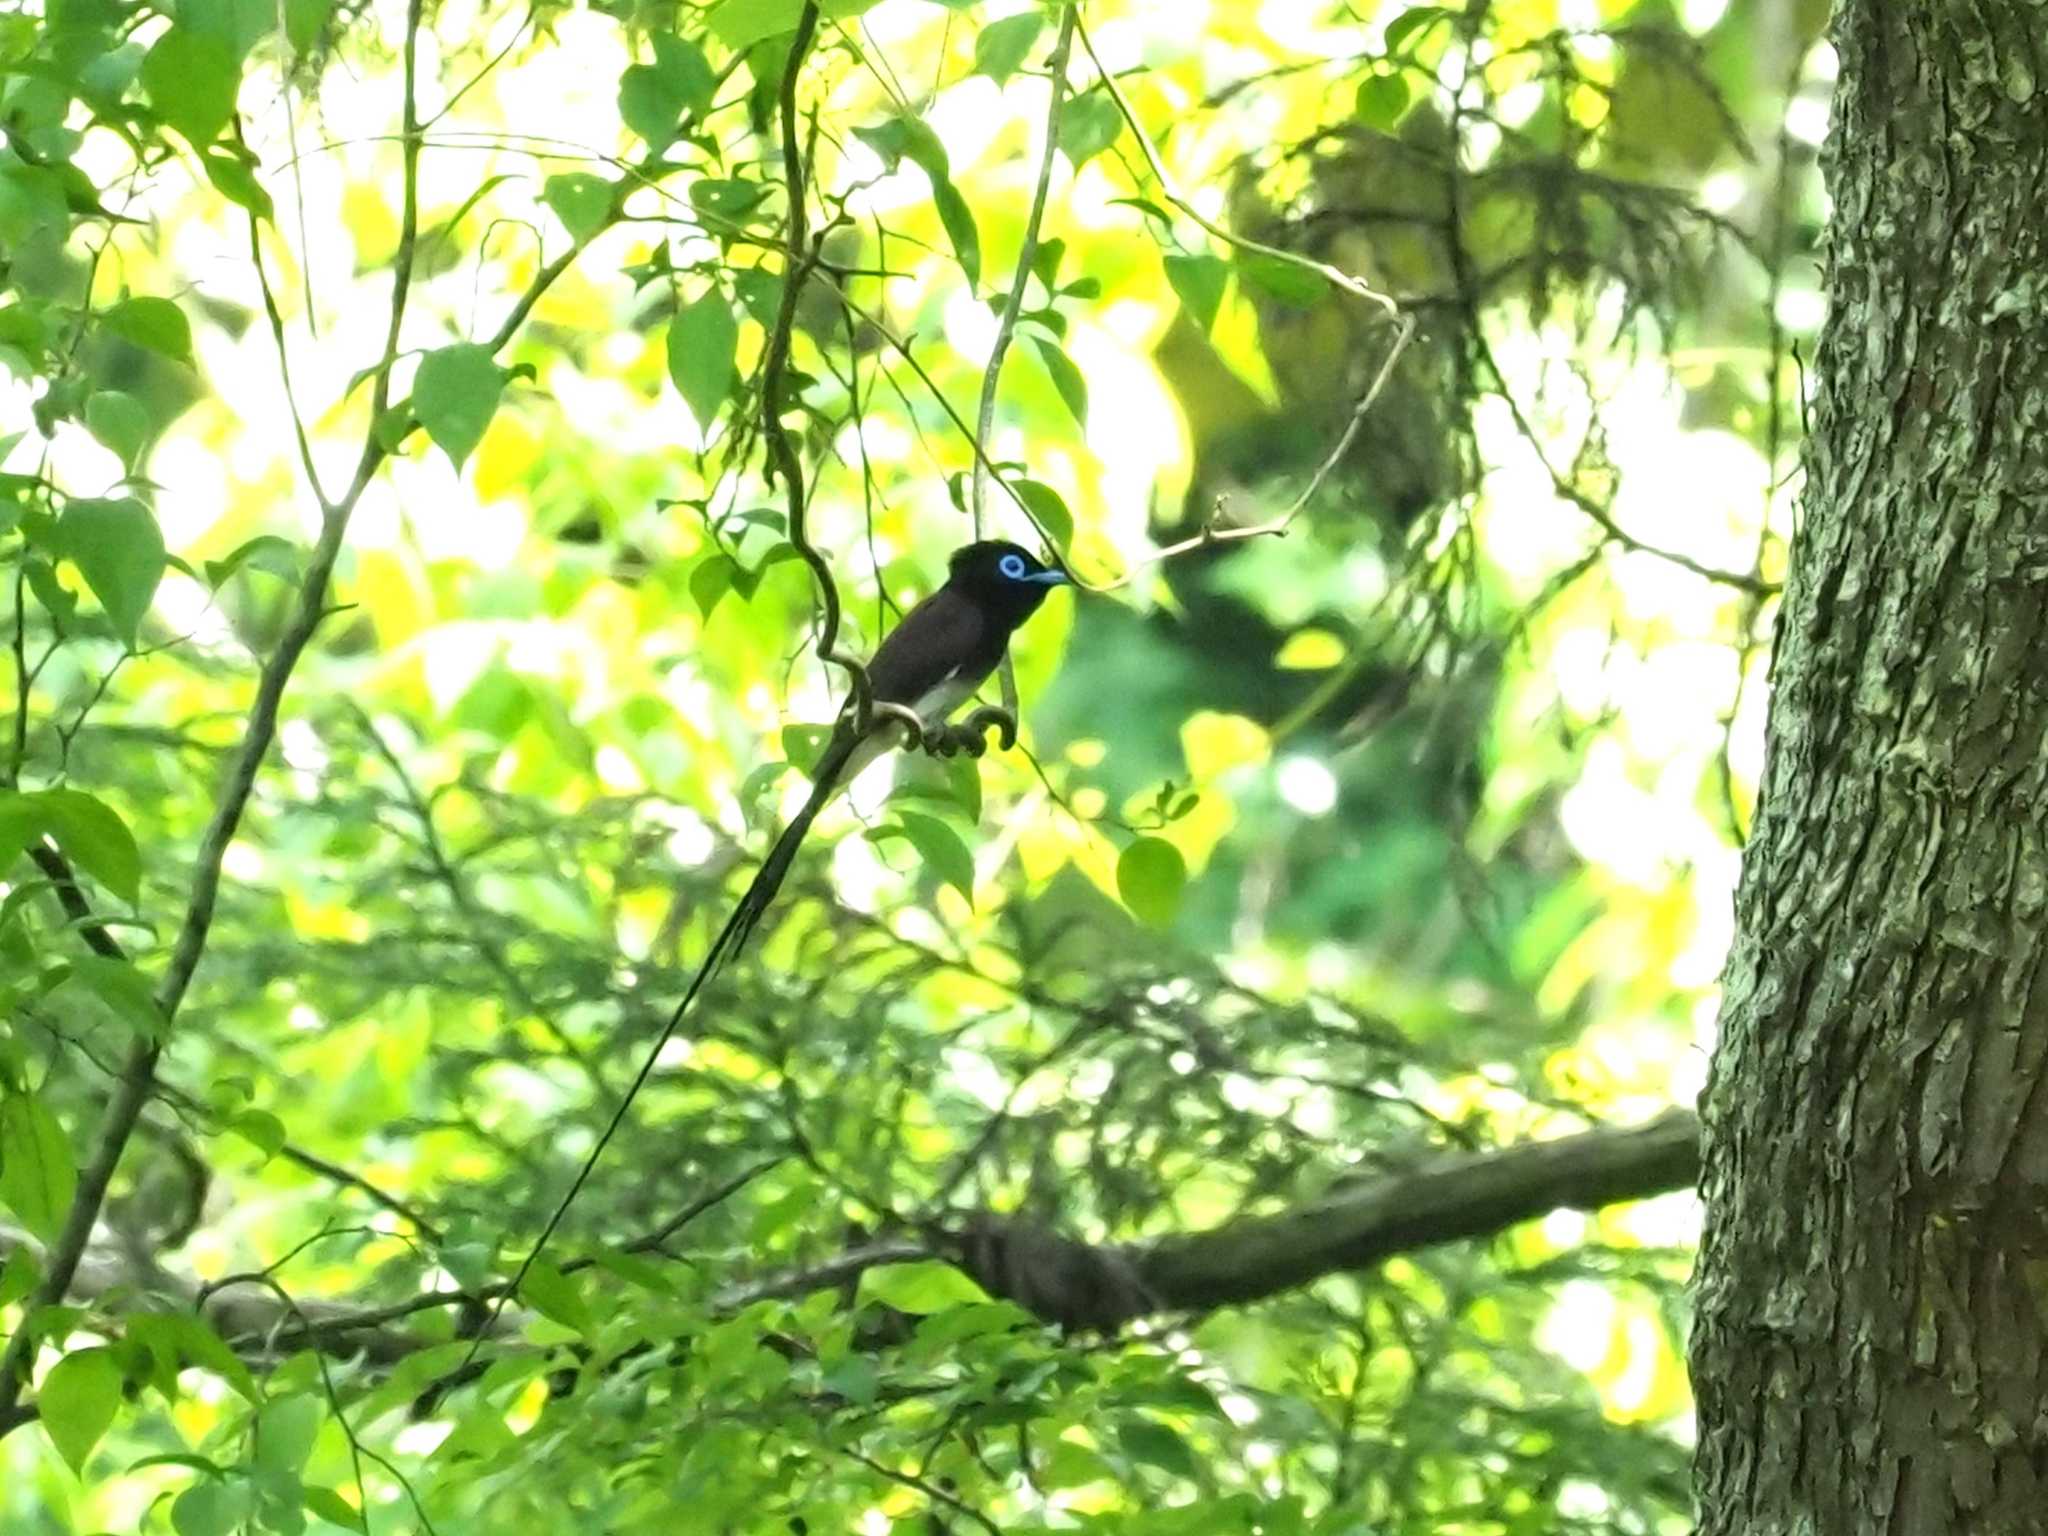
1450 1199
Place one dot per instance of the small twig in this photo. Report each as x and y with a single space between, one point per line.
929 1489
1027 253
1355 286
652 1242
1013 305
1213 534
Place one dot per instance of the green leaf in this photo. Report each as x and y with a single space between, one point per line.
582 202
332 1507
740 24
1283 280
37 1176
119 550
1066 378
31 203
93 837
1088 125
117 419
1000 47
909 138
920 1288
1150 875
211 1507
191 78
234 178
556 1296
760 294
702 342
191 1339
1198 282
261 1129
123 989
305 22
805 744
266 552
455 394
18 1276
941 849
1411 23
650 106
1047 508
682 64
653 98
157 324
1154 1445
1381 101
78 1399
285 1429
710 581
726 198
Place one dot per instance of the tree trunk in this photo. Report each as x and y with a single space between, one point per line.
1871 1346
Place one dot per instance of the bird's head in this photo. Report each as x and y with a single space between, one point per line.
1003 577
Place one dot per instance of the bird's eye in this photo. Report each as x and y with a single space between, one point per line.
1012 566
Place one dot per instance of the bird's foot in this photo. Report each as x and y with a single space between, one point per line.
971 735
880 710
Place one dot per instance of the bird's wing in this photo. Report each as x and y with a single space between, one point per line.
946 639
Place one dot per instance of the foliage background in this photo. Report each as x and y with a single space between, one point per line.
1453 776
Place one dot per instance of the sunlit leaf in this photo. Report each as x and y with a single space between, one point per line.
77 1401
1066 378
1283 280
305 22
1310 650
1381 101
93 837
191 79
261 1129
703 340
118 419
910 138
1089 124
1150 875
330 1506
940 848
235 179
455 394
157 324
37 1174
742 23
919 1288
211 1507
119 550
1048 509
582 202
1001 47
1198 282
1411 23
556 1296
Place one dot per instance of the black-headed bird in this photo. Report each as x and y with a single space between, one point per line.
926 668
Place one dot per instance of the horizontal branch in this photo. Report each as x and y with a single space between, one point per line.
1450 1199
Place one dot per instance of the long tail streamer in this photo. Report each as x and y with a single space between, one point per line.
760 893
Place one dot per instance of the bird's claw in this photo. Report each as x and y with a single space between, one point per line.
971 735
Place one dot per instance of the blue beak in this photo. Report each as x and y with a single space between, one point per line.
1054 578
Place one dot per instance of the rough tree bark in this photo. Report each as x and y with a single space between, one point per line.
1871 1347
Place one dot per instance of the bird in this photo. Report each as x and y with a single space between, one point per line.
925 668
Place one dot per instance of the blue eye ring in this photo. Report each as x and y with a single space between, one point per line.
1012 566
